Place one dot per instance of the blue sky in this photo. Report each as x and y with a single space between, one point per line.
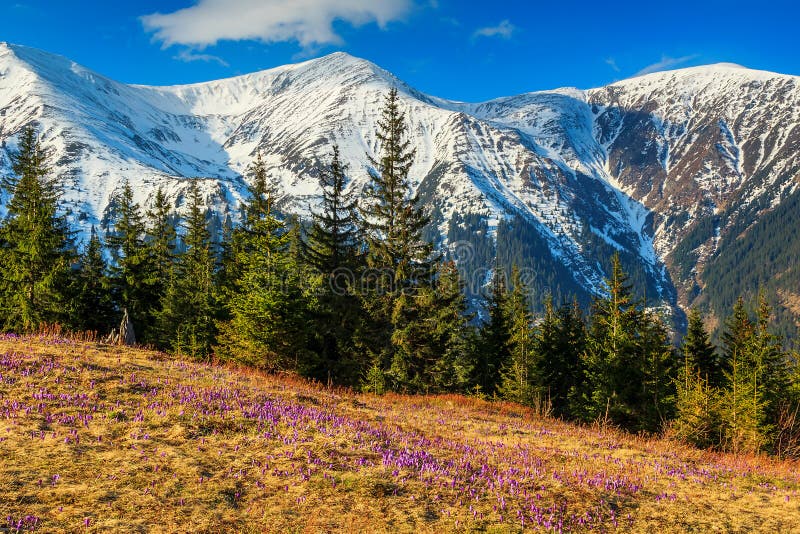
460 49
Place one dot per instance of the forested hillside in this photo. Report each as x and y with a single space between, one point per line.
357 296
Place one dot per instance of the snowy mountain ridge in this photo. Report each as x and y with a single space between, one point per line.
633 166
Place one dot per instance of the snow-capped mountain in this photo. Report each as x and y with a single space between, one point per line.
637 166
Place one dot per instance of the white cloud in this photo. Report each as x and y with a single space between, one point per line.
309 22
611 62
188 56
666 63
504 30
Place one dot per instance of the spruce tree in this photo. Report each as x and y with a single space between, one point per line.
737 335
391 214
94 307
399 259
333 241
517 374
186 318
493 352
659 363
742 411
769 360
132 273
259 221
332 251
435 344
697 409
36 249
544 338
743 408
161 238
560 341
699 354
225 277
698 387
771 372
268 319
756 379
615 377
453 338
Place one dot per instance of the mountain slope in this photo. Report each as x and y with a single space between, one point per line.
640 167
712 152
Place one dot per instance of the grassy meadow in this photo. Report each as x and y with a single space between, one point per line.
103 438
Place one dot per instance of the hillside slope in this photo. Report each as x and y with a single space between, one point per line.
98 438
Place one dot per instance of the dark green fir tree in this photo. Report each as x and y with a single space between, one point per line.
36 248
493 352
132 271
94 308
332 251
613 390
516 376
436 343
699 354
187 315
399 260
161 238
559 344
266 312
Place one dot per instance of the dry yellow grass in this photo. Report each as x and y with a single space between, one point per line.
101 438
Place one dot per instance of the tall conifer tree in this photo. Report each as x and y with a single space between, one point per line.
333 241
268 325
769 360
699 382
36 249
743 406
399 259
94 307
517 374
699 353
333 251
659 362
697 409
188 306
453 338
132 273
161 239
560 341
435 343
614 376
745 403
493 353
737 335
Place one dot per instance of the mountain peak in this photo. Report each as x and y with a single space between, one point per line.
710 74
726 65
341 56
339 60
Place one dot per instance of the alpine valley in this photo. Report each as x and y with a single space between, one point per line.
691 175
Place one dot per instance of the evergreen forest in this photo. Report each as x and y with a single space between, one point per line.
357 296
